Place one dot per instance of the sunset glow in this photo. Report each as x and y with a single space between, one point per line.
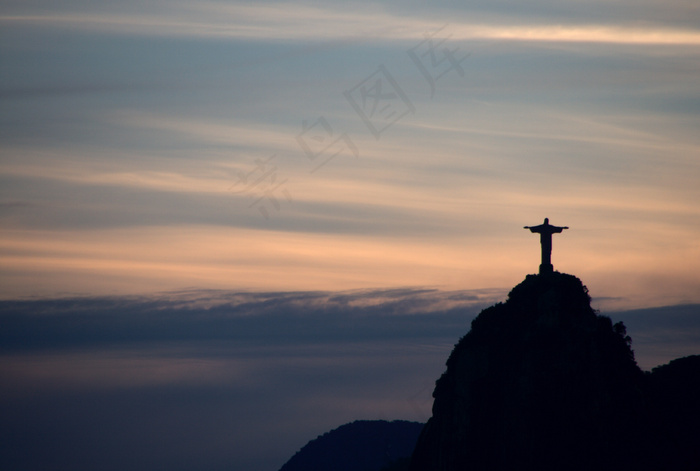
235 201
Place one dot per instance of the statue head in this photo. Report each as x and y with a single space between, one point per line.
546 220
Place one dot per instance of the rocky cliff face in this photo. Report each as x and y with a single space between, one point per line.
539 382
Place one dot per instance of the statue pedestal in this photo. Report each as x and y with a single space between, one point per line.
546 268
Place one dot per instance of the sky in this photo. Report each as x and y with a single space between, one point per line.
331 161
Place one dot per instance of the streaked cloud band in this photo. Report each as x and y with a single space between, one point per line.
283 21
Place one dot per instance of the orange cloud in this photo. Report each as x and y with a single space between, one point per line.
166 258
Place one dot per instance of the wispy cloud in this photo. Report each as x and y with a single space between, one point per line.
246 318
283 319
571 131
583 33
301 21
122 260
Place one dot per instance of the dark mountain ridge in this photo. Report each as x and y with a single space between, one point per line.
544 382
363 445
541 382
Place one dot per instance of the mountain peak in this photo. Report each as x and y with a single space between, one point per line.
537 380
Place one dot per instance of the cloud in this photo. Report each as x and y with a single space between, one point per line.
140 260
184 375
120 370
248 317
176 378
585 34
301 21
275 319
590 134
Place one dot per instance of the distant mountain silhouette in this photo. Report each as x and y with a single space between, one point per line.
543 382
363 445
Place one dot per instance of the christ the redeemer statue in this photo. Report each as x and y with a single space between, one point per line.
545 231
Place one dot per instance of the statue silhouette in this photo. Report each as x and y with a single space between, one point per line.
545 231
